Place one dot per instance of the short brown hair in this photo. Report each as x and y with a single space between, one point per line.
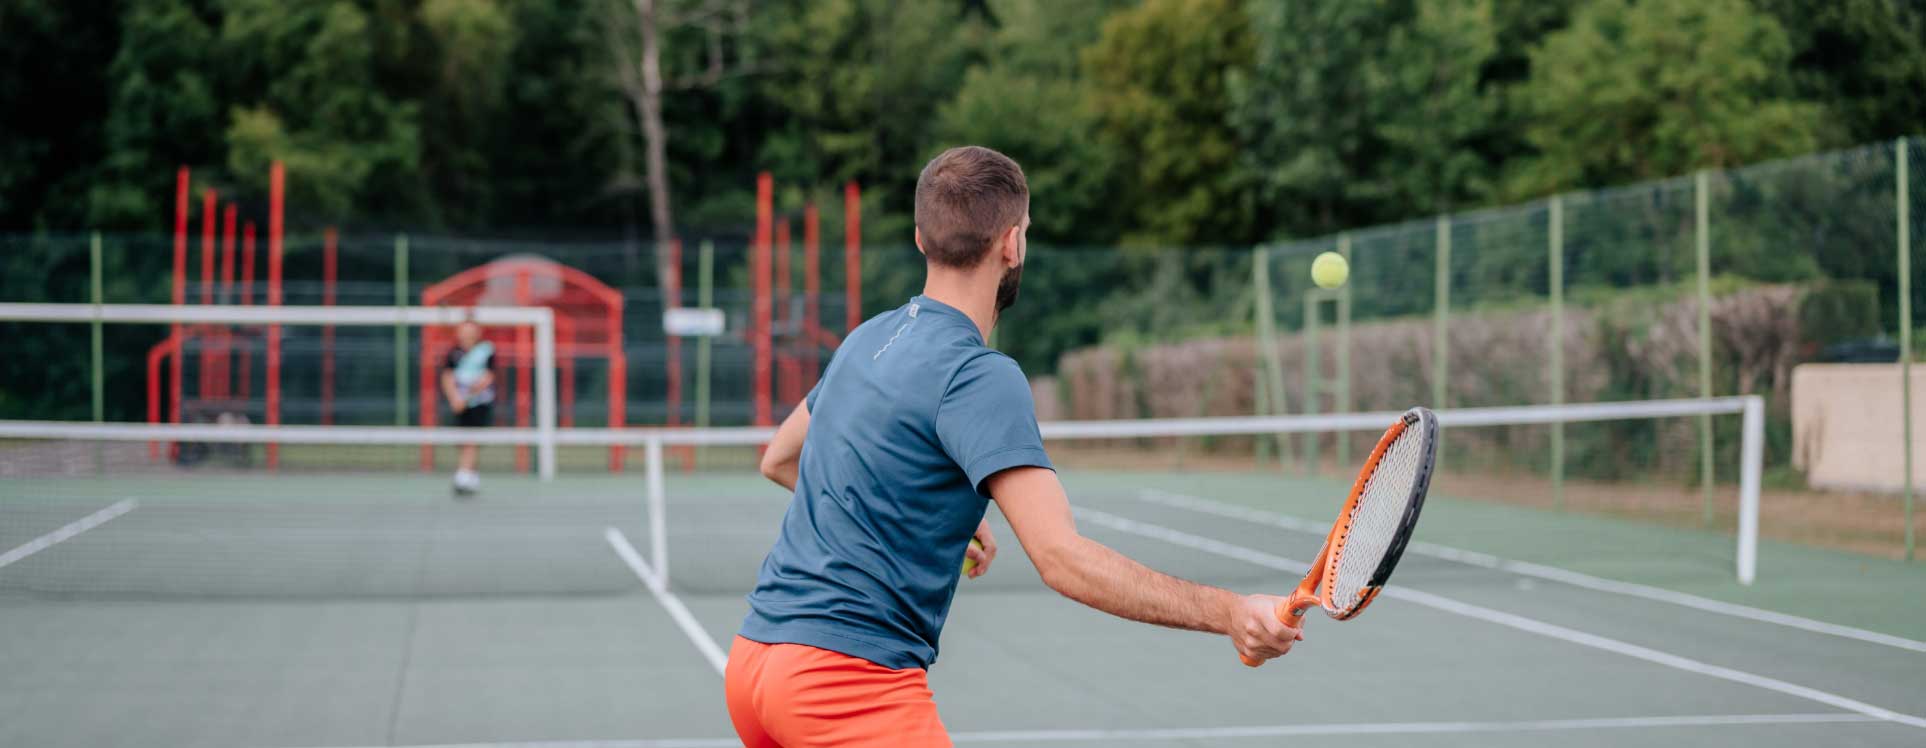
964 199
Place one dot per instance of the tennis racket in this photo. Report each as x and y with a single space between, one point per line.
1373 527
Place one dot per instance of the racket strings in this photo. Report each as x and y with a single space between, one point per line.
1376 520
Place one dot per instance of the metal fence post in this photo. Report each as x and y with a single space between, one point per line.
1343 404
1556 264
1272 382
401 331
1904 212
1703 229
1441 316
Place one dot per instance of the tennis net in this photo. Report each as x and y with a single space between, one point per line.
95 510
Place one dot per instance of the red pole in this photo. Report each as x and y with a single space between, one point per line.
329 266
224 368
812 290
852 256
154 356
427 401
786 374
759 322
247 263
247 298
209 219
277 180
227 255
181 193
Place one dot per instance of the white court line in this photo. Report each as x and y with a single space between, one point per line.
683 618
1532 625
68 531
1552 573
1259 731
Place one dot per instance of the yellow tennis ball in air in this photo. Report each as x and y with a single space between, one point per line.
969 564
1330 270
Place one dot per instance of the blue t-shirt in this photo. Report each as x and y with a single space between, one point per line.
913 414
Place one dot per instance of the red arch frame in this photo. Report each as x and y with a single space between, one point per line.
575 336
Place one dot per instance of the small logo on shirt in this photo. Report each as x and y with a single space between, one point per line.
892 339
913 309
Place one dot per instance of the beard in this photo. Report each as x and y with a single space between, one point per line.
1006 289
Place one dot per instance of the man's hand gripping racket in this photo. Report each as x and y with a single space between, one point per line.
1373 527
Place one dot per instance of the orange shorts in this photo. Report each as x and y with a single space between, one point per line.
795 696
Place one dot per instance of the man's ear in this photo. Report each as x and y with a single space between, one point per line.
1012 246
918 234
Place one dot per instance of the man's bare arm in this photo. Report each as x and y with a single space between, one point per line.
1090 573
453 393
782 458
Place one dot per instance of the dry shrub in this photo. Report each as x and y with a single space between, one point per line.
1637 348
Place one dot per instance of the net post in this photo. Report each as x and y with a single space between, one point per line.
1703 231
1903 211
1556 269
658 506
1343 404
545 396
1752 455
401 331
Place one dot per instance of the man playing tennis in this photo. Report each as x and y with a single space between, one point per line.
468 381
893 458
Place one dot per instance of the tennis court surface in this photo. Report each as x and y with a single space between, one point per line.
343 597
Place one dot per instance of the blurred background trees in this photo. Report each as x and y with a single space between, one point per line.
1162 122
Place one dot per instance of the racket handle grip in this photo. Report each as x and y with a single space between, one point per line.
1290 613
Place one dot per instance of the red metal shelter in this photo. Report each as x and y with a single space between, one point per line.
588 324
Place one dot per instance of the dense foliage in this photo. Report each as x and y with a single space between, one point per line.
1156 122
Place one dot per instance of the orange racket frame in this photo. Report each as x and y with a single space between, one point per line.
1312 591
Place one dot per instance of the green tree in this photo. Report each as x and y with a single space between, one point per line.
51 144
472 45
163 111
1855 55
310 93
1433 108
1158 73
1641 90
857 90
1368 111
1028 98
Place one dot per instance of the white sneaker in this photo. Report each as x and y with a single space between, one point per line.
467 482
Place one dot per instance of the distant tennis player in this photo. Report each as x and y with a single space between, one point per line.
468 381
893 458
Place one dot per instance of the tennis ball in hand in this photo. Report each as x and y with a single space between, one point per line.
969 564
1330 270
